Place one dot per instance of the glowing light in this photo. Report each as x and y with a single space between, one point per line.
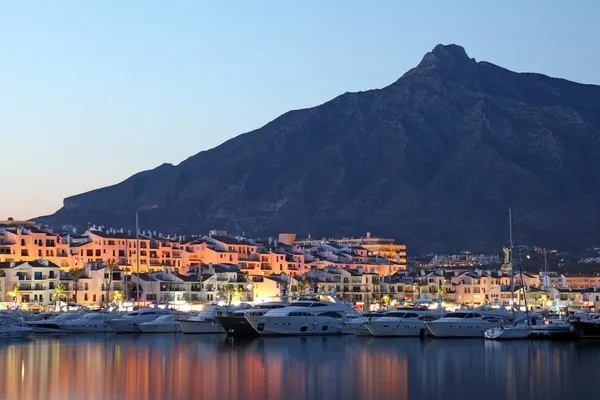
236 302
221 303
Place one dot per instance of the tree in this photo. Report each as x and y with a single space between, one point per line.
60 292
303 286
15 294
441 291
77 274
385 299
110 268
230 293
117 297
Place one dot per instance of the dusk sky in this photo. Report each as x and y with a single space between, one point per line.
93 92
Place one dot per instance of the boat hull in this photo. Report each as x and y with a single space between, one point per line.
358 329
459 329
124 326
508 333
173 327
297 326
396 328
587 330
200 327
15 332
236 326
554 333
96 327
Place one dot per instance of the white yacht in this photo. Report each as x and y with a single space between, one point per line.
11 328
130 321
508 332
468 323
54 325
409 322
235 323
357 325
94 322
204 321
315 314
163 324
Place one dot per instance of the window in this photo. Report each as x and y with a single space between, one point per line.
331 314
85 297
86 287
94 298
318 305
51 274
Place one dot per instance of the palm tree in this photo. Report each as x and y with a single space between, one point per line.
77 274
117 297
110 267
385 299
440 290
15 294
303 286
60 292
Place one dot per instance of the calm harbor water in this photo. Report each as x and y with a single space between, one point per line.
213 367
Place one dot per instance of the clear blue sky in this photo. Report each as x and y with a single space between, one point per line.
94 91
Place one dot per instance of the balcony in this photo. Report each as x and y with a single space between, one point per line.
29 287
172 288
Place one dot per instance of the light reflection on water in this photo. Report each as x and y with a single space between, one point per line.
213 367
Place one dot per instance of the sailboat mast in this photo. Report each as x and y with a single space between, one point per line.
546 271
512 271
137 257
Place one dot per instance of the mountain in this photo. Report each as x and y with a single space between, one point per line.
434 160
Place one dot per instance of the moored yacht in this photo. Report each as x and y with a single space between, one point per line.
235 323
357 325
54 325
409 322
163 324
520 330
12 328
14 331
204 321
468 323
588 326
314 314
94 322
130 321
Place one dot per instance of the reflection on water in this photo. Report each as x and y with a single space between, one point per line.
213 367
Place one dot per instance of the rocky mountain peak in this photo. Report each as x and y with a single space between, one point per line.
449 57
424 160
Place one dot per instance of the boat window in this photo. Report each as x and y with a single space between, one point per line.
300 314
411 315
492 319
301 304
330 314
428 318
475 315
319 305
455 315
395 314
133 314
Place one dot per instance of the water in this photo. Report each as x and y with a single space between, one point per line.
213 367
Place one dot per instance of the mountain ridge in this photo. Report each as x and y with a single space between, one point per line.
432 159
